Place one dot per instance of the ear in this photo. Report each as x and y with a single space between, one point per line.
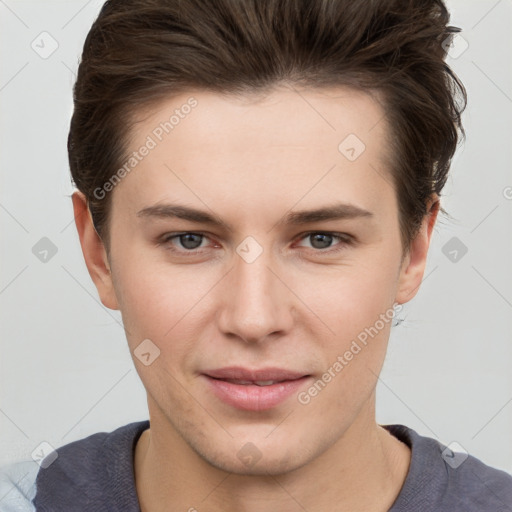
413 266
94 252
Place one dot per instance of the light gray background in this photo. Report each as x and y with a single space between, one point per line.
65 368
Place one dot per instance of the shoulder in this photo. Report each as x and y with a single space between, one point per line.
443 478
96 453
95 472
17 486
478 486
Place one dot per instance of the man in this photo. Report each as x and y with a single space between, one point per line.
258 182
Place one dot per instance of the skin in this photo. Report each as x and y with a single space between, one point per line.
251 161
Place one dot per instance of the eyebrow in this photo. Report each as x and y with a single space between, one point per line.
334 212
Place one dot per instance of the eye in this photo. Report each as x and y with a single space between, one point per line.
187 242
322 240
190 242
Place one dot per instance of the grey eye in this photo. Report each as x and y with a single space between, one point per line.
191 240
320 240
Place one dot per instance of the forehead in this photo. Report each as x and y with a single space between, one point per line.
286 111
285 144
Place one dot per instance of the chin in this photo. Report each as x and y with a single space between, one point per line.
248 460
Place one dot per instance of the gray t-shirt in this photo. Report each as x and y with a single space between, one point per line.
96 474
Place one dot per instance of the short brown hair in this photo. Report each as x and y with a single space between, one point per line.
141 51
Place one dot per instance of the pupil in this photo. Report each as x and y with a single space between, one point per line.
190 240
321 241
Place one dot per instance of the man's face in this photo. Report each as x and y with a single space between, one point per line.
266 294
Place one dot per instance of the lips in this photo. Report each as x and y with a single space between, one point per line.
252 382
247 375
254 390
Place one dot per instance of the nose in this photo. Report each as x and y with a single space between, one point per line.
256 305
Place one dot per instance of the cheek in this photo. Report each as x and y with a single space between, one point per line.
353 356
160 304
355 302
163 303
350 297
148 301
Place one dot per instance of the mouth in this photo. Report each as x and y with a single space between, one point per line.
254 390
253 382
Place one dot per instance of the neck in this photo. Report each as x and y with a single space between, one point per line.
363 471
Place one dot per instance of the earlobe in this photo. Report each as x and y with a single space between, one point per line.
413 267
94 252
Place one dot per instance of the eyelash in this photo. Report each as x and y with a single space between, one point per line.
344 240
